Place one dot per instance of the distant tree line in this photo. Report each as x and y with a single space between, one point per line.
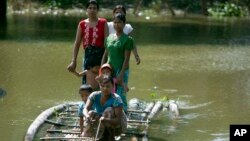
189 6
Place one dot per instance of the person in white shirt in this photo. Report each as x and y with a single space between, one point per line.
127 29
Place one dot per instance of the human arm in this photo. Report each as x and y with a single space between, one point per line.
135 52
72 66
117 119
137 57
87 108
81 124
104 57
97 78
106 30
125 87
106 33
79 74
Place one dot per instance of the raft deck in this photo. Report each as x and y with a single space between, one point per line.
62 123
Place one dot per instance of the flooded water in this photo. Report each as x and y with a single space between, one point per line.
202 63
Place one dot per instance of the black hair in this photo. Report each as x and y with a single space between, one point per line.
92 2
86 87
121 17
119 7
106 79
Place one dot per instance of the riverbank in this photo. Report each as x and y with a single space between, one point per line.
143 15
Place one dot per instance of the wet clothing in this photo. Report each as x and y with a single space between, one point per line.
116 49
93 35
93 56
121 128
80 109
93 43
116 54
81 106
120 89
114 100
109 112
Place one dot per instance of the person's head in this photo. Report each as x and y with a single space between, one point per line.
119 9
92 8
106 69
84 91
119 22
106 84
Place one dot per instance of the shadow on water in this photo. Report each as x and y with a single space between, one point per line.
179 31
3 28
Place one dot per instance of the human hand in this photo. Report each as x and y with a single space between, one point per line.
77 73
125 88
102 119
119 79
72 66
88 117
137 59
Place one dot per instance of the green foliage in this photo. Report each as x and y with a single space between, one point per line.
164 98
227 10
63 3
154 97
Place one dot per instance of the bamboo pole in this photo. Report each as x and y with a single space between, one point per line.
137 121
60 124
63 131
75 132
138 111
67 138
157 107
39 121
148 110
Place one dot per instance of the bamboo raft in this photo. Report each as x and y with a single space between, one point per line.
62 123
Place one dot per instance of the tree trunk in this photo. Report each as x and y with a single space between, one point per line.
204 7
168 3
137 6
3 7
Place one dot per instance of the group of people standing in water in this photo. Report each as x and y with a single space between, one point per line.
107 48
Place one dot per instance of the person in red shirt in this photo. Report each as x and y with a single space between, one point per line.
91 32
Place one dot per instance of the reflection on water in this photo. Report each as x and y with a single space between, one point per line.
3 28
211 81
174 30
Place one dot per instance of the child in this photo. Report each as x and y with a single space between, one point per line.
107 71
84 91
90 76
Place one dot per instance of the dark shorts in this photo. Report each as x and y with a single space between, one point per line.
93 56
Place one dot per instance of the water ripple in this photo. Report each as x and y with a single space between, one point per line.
184 105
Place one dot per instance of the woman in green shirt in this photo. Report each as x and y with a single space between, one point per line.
118 47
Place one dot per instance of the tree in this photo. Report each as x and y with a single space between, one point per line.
3 5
